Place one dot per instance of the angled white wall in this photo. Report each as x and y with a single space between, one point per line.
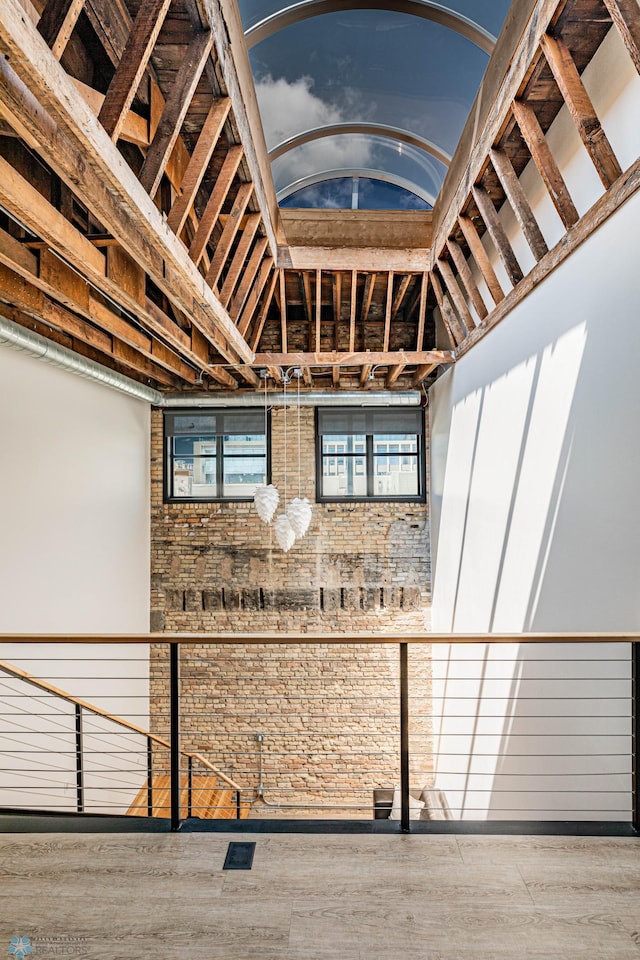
74 557
535 511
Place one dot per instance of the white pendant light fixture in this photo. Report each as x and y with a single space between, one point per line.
299 514
299 510
266 497
266 500
285 534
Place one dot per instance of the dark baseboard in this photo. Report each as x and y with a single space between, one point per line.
17 821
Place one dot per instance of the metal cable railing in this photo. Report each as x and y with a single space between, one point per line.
54 745
432 727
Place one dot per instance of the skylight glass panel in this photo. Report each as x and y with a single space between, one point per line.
367 67
402 163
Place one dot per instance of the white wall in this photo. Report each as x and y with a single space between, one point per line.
535 474
74 557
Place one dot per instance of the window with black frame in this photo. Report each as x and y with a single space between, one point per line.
215 454
370 454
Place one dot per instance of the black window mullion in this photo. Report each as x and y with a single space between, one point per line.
219 466
369 464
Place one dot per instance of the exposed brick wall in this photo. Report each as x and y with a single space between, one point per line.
216 567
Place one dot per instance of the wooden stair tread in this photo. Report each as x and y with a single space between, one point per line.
208 801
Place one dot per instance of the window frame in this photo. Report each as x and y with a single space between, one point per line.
168 457
370 458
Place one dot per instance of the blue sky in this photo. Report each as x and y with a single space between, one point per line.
372 66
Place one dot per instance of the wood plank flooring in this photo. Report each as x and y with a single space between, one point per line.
322 897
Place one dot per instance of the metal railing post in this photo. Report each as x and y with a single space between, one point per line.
79 761
189 783
238 806
174 709
405 825
149 777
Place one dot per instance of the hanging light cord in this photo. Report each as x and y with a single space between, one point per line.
284 397
299 454
265 421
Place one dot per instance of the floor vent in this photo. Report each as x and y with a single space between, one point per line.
239 856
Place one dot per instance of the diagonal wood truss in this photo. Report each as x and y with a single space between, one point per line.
138 225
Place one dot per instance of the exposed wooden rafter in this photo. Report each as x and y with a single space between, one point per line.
57 22
106 185
370 358
132 65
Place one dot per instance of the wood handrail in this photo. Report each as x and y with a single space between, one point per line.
310 639
20 674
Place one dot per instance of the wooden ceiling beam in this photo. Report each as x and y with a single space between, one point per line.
27 204
352 310
29 297
228 235
518 202
198 163
135 128
507 75
497 233
232 62
117 356
449 317
481 258
422 310
57 22
467 278
112 25
393 374
365 373
132 65
337 309
581 108
54 120
254 296
363 259
215 202
264 310
603 208
248 277
371 357
626 16
283 311
318 317
545 162
247 374
305 282
422 373
455 294
400 295
175 110
388 306
242 252
369 285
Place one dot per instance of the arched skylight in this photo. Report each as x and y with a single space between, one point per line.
333 87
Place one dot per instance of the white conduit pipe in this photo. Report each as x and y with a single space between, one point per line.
19 338
314 398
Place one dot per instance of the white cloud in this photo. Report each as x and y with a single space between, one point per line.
288 108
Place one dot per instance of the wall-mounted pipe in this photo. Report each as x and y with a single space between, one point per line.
19 338
312 398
